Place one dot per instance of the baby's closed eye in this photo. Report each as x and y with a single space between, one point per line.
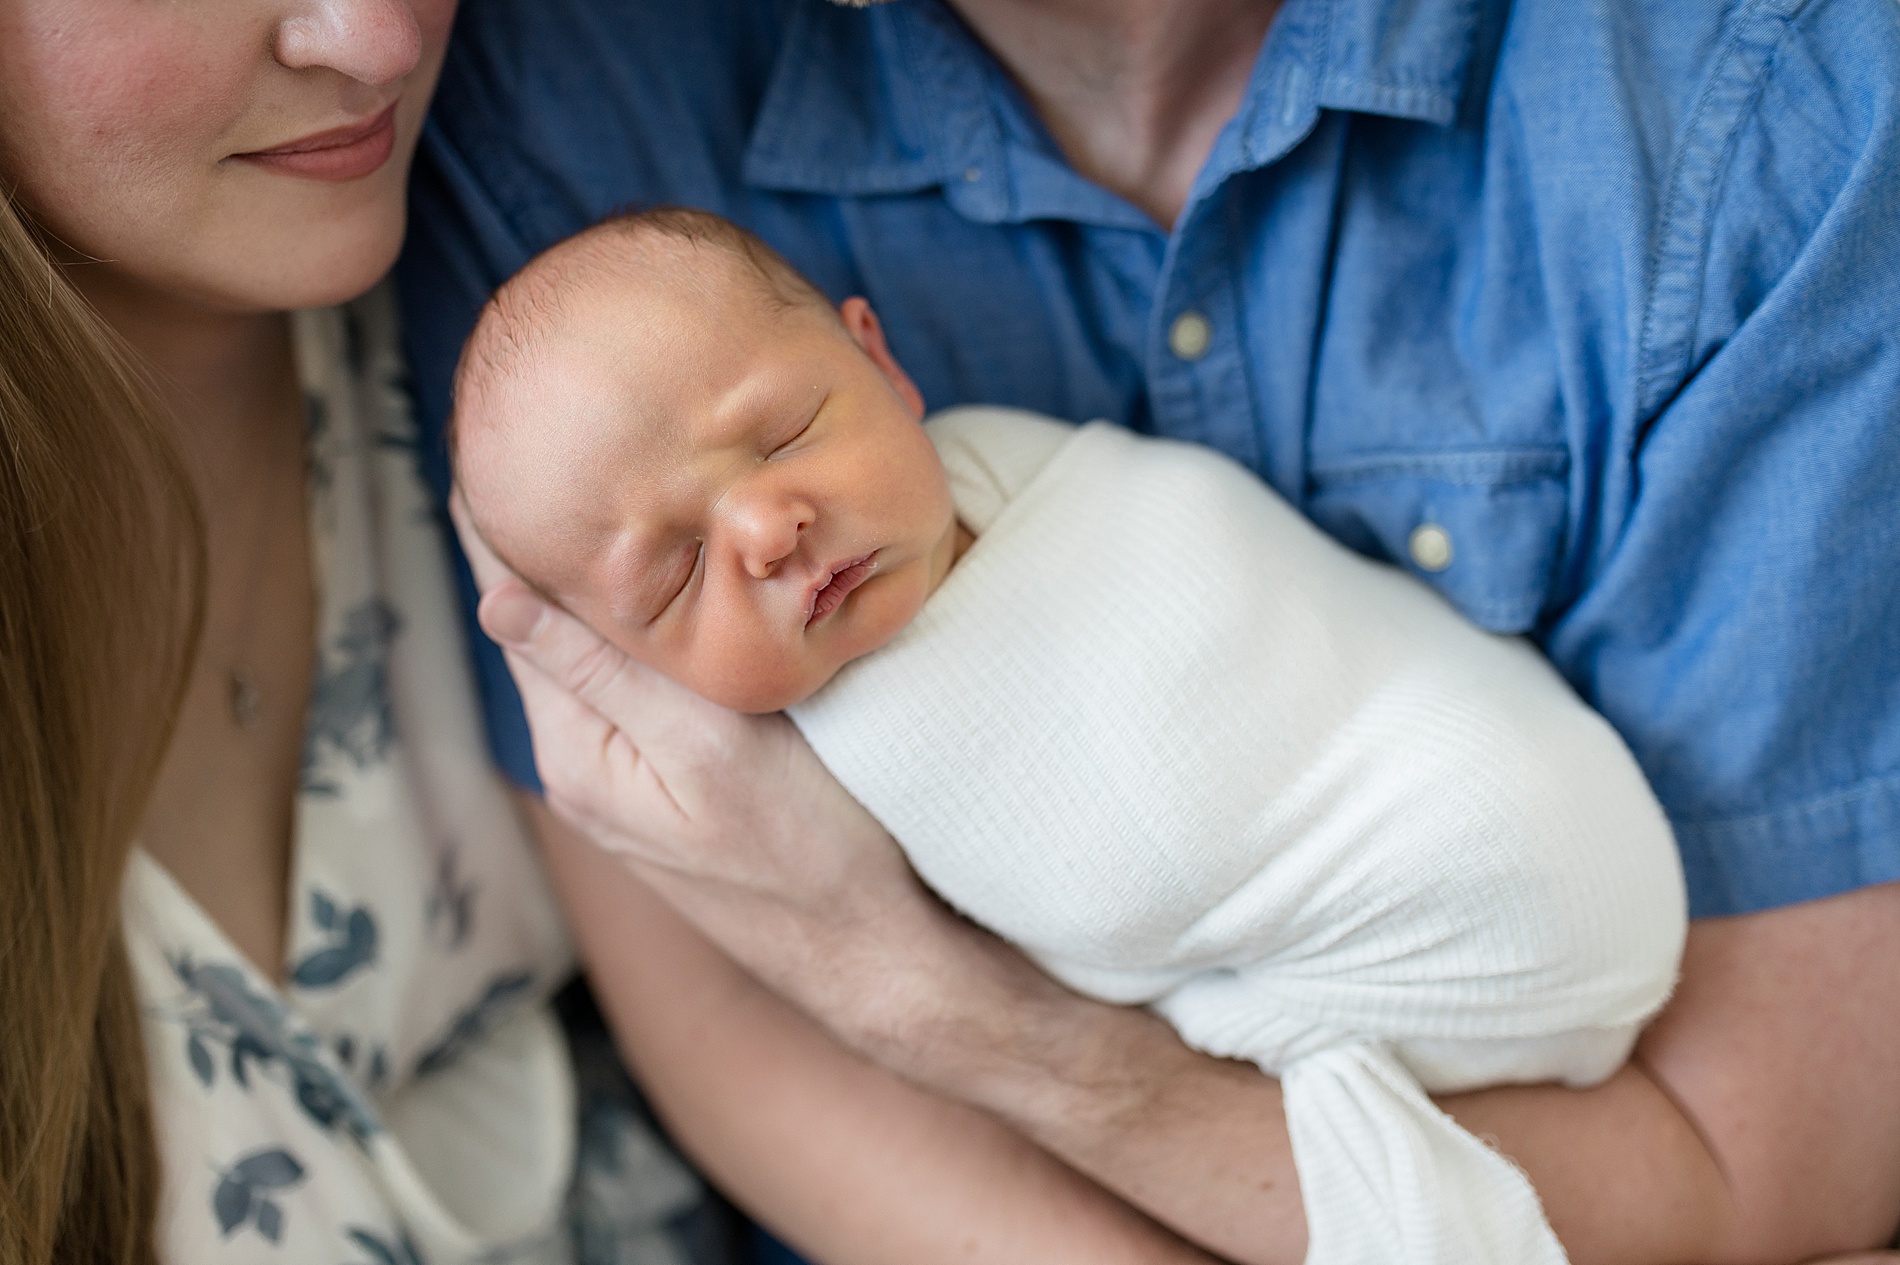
792 432
694 560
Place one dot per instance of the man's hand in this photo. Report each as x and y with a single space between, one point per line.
731 817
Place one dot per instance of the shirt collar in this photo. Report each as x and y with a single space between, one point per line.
902 98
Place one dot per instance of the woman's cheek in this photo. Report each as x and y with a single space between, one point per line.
434 17
114 117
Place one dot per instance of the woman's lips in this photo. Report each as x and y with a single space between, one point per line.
342 153
830 595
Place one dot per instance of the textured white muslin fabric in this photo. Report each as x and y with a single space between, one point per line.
1189 752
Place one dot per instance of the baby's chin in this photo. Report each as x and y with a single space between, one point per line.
762 693
761 698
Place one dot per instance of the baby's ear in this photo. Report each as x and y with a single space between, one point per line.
863 326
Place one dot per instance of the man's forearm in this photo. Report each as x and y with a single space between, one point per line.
1198 1143
1760 1121
850 1163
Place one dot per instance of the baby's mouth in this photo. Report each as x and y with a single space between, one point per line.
845 576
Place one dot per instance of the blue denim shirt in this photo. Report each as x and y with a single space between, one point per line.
1584 312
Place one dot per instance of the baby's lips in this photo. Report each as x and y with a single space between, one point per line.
829 596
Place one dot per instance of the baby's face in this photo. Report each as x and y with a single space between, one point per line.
738 496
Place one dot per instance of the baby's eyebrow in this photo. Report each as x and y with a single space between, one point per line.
750 409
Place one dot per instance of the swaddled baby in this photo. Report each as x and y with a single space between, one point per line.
1114 699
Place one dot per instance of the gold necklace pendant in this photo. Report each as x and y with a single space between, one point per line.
247 702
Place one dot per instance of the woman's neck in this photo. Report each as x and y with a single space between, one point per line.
224 376
1134 91
222 813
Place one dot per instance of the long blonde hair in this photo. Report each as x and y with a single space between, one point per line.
101 594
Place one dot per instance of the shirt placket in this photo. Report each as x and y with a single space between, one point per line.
1198 384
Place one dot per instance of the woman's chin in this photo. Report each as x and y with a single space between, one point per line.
293 265
334 268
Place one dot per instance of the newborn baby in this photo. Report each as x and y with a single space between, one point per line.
1115 700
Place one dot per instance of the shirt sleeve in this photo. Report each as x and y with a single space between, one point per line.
1743 630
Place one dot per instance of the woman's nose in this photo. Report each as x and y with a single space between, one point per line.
766 530
372 41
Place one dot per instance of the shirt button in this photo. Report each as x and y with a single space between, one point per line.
1430 546
1190 336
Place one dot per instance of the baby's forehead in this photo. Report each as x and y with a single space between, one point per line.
621 264
596 349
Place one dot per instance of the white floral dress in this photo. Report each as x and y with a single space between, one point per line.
407 1098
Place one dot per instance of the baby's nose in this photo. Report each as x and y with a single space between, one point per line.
769 532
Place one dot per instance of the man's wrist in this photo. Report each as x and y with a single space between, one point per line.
968 1016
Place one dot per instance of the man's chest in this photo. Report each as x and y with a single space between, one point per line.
1391 368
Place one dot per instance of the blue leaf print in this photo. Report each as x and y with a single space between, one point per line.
240 1196
200 1057
349 700
258 1032
316 415
381 1251
229 996
352 946
323 910
326 968
231 1202
229 1006
450 910
316 433
476 1021
322 1099
244 1047
352 343
269 1170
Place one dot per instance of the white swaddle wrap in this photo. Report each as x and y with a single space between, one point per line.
1186 750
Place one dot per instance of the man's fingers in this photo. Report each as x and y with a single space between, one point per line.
571 739
565 650
635 699
511 613
590 771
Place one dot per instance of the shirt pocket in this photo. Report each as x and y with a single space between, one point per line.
1483 526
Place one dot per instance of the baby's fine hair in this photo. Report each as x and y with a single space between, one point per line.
533 298
780 284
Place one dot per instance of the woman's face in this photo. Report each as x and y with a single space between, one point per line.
245 155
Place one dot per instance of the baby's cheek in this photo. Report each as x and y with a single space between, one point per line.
756 686
884 612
